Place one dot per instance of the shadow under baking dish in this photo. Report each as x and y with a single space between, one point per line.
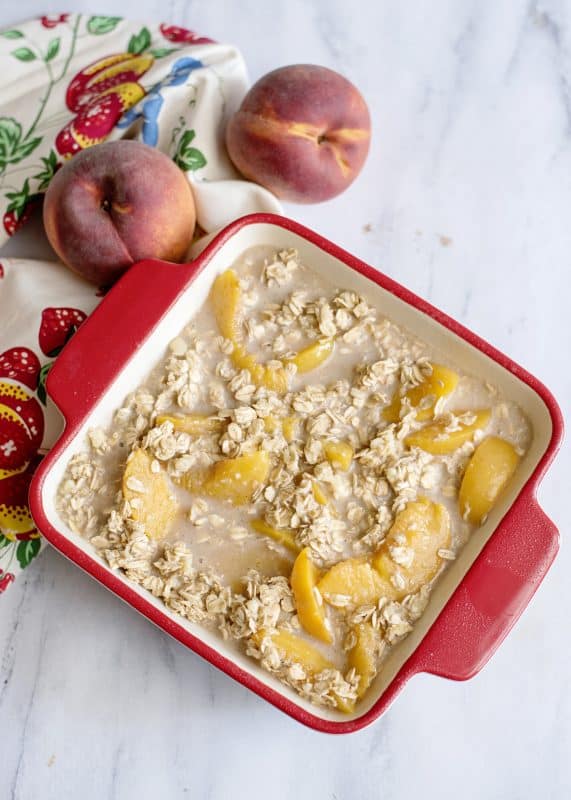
127 336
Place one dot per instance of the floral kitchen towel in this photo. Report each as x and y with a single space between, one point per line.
41 305
67 82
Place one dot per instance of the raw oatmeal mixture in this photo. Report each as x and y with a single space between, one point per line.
295 474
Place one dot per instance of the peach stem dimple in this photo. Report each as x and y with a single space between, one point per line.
121 208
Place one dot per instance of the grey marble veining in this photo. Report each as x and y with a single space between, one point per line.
465 198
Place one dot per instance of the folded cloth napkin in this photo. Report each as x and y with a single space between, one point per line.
70 81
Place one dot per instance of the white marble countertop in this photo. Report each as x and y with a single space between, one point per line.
465 199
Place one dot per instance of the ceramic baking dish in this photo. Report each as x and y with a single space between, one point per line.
479 597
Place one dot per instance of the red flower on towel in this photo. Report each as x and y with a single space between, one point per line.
183 36
6 578
21 416
21 434
51 20
100 94
16 523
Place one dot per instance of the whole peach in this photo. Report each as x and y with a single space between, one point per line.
117 203
302 131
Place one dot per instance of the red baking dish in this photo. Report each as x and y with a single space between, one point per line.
476 601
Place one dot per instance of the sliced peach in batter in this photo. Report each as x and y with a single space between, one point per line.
312 356
440 383
437 440
269 376
309 605
289 428
273 378
281 535
488 472
225 297
271 424
339 454
287 424
354 582
419 531
364 656
295 649
149 495
319 494
236 479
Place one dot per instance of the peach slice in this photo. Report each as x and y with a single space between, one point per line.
364 655
319 494
488 472
440 383
289 428
356 582
419 531
271 377
339 454
281 535
312 356
225 297
304 577
287 424
194 424
148 492
436 440
296 649
271 424
233 479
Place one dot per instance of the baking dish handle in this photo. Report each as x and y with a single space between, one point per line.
492 595
124 318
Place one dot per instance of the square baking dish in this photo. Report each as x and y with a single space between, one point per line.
477 599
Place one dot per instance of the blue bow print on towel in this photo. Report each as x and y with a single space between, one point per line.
149 108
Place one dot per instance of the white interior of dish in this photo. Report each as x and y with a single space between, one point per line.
454 348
